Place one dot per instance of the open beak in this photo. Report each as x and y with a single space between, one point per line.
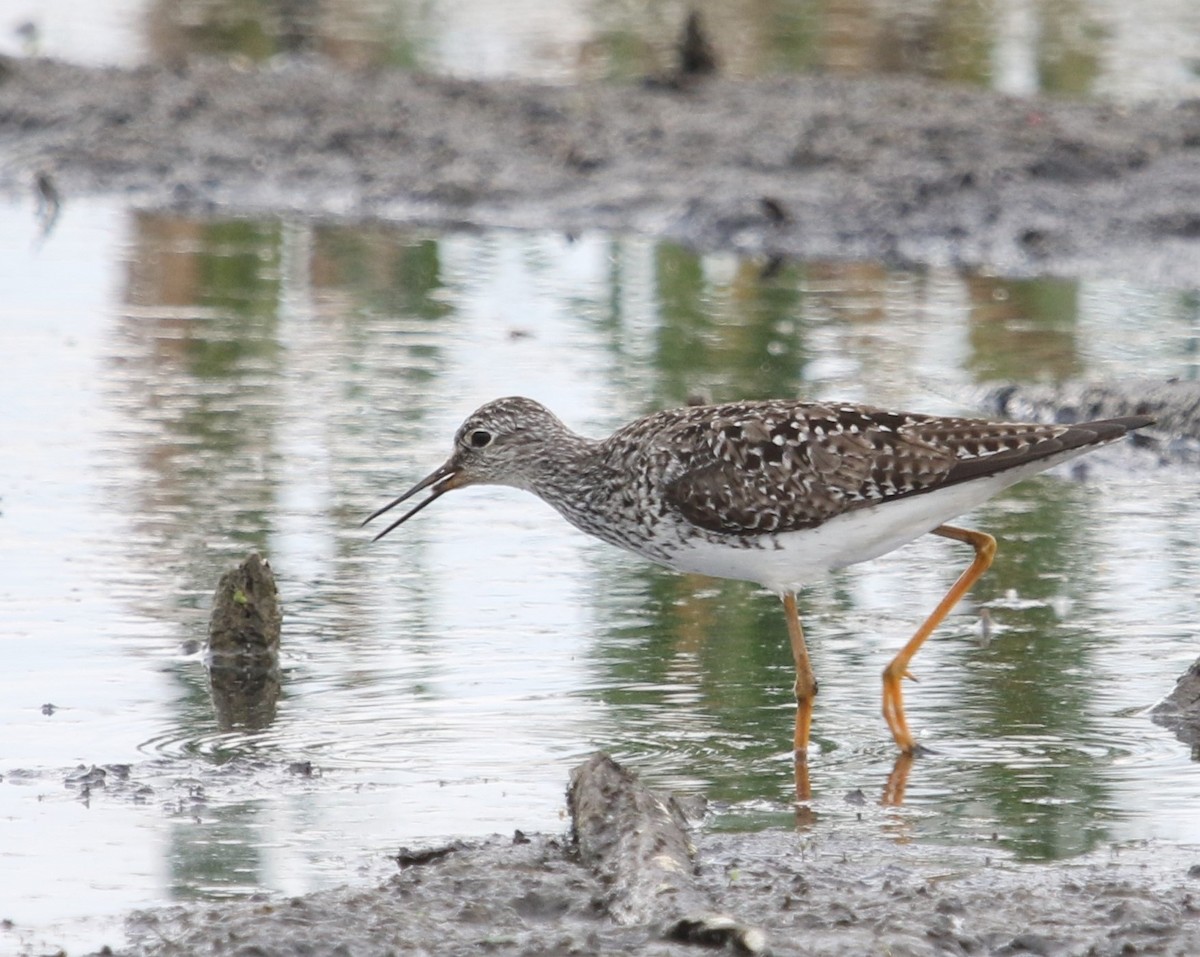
443 480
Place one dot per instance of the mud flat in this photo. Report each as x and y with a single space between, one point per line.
900 170
631 882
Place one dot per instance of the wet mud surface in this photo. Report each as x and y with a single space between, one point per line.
626 885
904 172
900 171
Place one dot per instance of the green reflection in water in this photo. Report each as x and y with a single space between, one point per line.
1035 682
382 273
237 286
792 37
200 356
200 361
738 341
1024 330
956 43
391 285
1068 52
351 34
700 667
954 40
247 28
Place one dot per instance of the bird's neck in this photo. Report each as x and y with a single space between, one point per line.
568 475
563 465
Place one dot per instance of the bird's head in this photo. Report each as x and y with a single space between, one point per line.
500 443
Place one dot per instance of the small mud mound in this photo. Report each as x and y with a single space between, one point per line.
242 654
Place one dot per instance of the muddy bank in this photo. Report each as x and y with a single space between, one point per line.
1175 404
898 170
1174 438
632 883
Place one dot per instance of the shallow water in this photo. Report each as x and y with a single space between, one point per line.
175 393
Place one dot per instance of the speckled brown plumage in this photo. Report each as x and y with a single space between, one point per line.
756 468
741 473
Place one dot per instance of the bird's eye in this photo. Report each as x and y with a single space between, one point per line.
479 438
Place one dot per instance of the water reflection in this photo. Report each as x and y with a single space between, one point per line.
744 344
215 344
215 852
266 385
1060 46
202 310
1024 331
1038 677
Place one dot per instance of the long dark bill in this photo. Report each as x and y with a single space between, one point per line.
441 481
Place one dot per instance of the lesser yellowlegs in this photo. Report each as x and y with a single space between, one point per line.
776 492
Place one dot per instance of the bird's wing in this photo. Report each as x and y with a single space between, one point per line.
780 469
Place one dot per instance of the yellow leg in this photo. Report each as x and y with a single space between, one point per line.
806 682
897 671
806 691
803 787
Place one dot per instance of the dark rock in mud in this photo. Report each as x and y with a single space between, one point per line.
406 857
889 169
696 54
636 842
242 655
1180 710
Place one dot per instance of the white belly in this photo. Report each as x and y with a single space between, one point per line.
786 561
